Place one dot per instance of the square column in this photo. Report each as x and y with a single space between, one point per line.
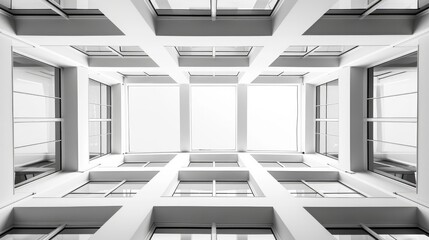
352 84
242 117
76 121
309 116
7 181
118 118
185 120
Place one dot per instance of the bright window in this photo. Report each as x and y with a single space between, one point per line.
272 118
154 118
213 117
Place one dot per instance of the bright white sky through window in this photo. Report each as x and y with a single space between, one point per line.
154 118
272 117
213 120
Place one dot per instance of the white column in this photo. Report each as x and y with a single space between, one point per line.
75 115
185 121
6 121
242 117
118 118
351 118
423 120
309 116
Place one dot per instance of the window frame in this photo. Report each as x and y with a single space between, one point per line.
58 119
320 193
214 190
111 191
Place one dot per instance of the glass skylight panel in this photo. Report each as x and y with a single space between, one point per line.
394 233
201 164
350 233
387 4
152 130
182 233
195 187
96 50
328 51
244 233
181 7
213 117
232 188
96 187
226 164
213 51
26 233
327 189
156 164
272 117
133 164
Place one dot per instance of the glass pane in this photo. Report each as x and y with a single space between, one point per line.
152 130
364 4
130 187
106 127
37 159
270 164
402 233
388 82
321 143
332 92
75 234
213 117
330 187
31 106
321 127
272 117
332 128
33 77
105 144
350 233
104 94
226 164
94 146
332 111
306 195
322 95
339 195
232 187
251 234
246 5
294 165
40 132
94 111
297 187
85 195
321 112
200 164
121 195
394 132
332 146
181 4
94 128
132 164
195 187
395 107
105 112
94 92
26 234
192 195
157 164
96 187
234 195
182 234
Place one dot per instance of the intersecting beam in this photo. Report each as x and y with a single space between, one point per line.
135 19
288 24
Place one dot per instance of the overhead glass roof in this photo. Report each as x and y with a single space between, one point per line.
40 7
319 51
214 51
218 73
121 51
359 7
223 7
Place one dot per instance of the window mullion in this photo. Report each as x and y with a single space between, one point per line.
114 188
54 232
214 188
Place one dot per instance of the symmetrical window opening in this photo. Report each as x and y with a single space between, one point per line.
372 233
100 119
109 189
37 119
213 233
213 164
327 114
392 119
316 189
143 164
213 188
279 164
62 232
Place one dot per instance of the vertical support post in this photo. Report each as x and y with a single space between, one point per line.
309 116
185 118
423 120
351 118
118 118
242 117
75 115
6 121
